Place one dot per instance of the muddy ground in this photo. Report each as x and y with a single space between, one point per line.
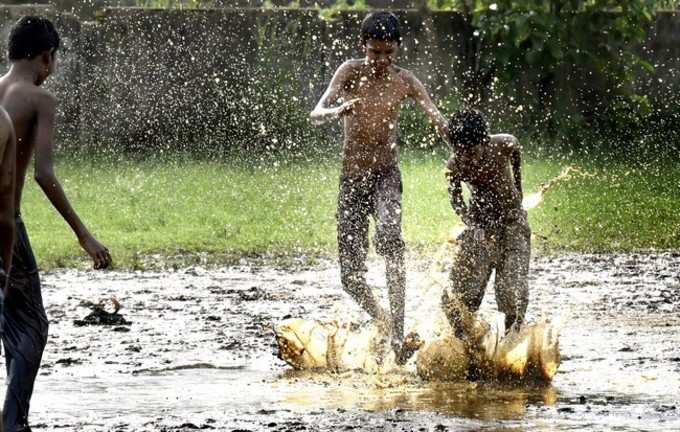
199 354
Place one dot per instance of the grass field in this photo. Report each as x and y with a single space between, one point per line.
175 207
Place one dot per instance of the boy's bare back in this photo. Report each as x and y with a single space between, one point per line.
32 110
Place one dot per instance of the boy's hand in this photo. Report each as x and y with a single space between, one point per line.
97 251
347 107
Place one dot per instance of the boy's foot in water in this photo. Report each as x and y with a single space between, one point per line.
405 350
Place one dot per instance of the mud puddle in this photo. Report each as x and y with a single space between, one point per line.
198 353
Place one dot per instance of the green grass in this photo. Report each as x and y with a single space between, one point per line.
178 207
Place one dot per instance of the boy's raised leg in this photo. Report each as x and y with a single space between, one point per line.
352 225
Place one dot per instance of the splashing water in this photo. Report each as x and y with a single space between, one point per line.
335 346
436 323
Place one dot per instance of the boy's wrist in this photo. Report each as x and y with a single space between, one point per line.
83 234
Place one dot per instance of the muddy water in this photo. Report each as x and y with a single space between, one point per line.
199 353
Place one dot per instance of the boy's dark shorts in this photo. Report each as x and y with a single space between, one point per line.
23 312
376 194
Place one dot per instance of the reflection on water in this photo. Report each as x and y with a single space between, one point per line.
483 401
200 352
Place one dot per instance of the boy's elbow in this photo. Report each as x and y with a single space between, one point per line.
315 119
7 219
39 177
43 177
7 212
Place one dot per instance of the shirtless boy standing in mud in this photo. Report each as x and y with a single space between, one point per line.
33 44
367 94
497 235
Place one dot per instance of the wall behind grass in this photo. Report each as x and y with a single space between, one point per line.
241 81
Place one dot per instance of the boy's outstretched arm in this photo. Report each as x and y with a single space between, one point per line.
419 93
322 113
47 179
7 186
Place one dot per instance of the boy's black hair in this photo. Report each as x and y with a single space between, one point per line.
382 26
30 37
468 128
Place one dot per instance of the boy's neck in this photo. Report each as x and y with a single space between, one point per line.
377 73
25 71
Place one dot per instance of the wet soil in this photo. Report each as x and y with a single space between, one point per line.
196 352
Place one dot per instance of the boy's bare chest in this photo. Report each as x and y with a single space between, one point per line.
479 173
385 93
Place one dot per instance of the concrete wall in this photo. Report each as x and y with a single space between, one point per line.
156 79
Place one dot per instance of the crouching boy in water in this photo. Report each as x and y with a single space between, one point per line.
497 236
33 44
371 91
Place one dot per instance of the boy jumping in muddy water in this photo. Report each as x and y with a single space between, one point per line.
367 94
33 45
497 235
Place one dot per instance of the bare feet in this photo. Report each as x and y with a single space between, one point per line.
412 343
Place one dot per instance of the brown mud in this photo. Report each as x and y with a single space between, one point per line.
198 353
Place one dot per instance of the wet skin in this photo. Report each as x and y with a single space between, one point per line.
372 90
7 158
32 110
492 172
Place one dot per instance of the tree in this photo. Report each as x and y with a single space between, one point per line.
509 36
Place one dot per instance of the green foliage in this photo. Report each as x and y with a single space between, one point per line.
625 115
271 110
518 42
331 13
179 4
547 34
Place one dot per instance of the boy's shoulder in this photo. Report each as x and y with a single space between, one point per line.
504 138
404 74
351 65
27 92
359 65
451 168
505 141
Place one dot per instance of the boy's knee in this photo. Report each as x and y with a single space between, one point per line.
389 243
352 275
